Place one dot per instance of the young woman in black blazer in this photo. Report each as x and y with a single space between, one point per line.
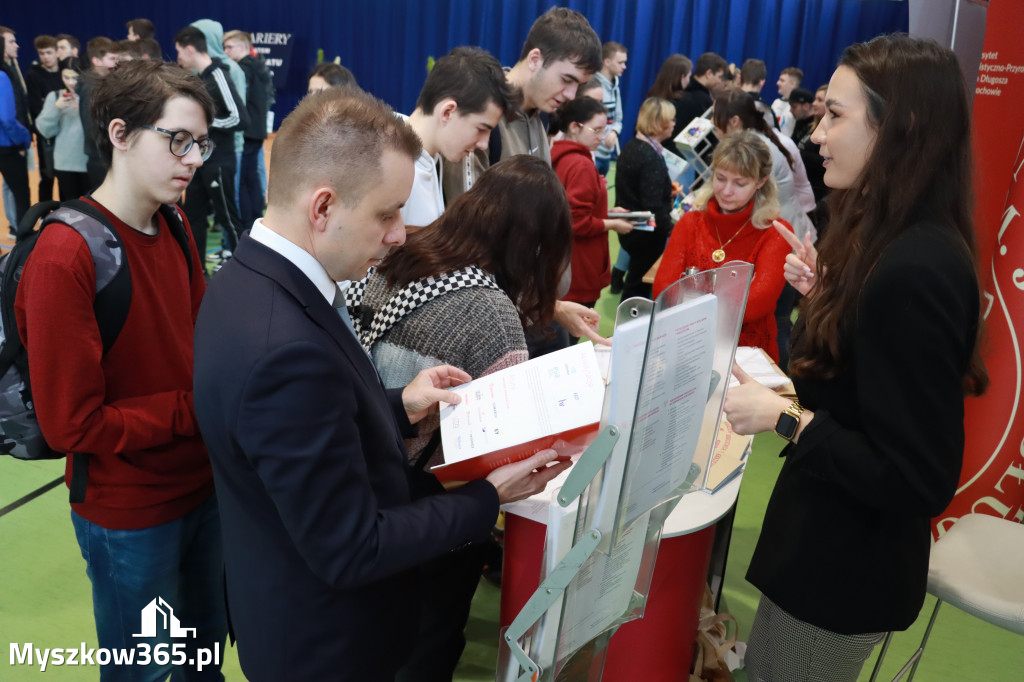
884 352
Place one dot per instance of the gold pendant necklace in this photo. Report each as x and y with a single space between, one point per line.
718 255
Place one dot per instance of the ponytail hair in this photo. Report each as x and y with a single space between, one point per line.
579 110
735 102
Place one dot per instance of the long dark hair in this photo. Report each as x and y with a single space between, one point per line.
920 166
735 102
514 223
669 82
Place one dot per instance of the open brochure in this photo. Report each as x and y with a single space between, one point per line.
553 401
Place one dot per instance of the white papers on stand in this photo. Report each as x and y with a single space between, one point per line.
671 406
695 132
758 365
628 347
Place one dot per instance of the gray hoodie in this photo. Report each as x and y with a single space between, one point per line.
214 33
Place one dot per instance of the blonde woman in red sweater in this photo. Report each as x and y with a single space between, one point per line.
584 123
732 220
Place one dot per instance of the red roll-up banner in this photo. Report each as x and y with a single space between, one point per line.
992 481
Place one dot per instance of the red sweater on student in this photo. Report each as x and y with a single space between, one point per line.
695 238
588 203
131 409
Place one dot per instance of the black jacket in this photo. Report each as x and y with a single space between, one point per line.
847 532
258 86
321 537
229 113
39 82
85 86
802 131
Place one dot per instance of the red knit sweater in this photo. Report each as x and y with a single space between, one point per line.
588 203
694 239
131 408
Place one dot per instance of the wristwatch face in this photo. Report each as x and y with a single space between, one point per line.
786 426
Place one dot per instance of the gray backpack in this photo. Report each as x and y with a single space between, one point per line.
20 435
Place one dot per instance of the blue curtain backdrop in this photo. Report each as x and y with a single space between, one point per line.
386 43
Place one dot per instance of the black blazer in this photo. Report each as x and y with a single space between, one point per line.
847 532
321 540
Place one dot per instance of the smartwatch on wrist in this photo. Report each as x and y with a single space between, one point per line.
789 420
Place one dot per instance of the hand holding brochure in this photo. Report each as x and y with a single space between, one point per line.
553 401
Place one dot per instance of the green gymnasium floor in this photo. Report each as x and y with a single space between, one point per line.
45 595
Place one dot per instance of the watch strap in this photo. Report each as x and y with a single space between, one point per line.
789 420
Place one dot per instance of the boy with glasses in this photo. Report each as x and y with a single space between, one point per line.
147 520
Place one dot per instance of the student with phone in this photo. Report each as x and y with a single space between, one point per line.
60 119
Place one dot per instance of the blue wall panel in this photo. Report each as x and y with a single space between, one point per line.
386 43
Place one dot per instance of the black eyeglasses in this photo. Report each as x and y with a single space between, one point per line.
182 141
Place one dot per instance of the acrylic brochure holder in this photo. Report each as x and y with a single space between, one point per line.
670 365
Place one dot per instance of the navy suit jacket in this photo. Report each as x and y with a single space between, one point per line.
321 539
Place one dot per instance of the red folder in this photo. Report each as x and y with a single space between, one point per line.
567 444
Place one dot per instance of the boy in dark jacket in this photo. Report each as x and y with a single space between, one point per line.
258 98
42 78
214 183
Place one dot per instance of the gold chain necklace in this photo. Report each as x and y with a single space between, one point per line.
718 255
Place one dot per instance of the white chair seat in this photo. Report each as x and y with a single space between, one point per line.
978 566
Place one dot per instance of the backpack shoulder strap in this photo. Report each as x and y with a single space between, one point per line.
172 216
32 216
113 279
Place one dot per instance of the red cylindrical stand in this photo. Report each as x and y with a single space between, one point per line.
656 648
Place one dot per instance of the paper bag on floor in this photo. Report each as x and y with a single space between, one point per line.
713 650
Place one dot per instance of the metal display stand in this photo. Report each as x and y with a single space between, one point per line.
669 371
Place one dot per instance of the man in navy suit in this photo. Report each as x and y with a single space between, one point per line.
321 536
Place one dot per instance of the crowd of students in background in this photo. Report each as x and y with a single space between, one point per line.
51 104
231 186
